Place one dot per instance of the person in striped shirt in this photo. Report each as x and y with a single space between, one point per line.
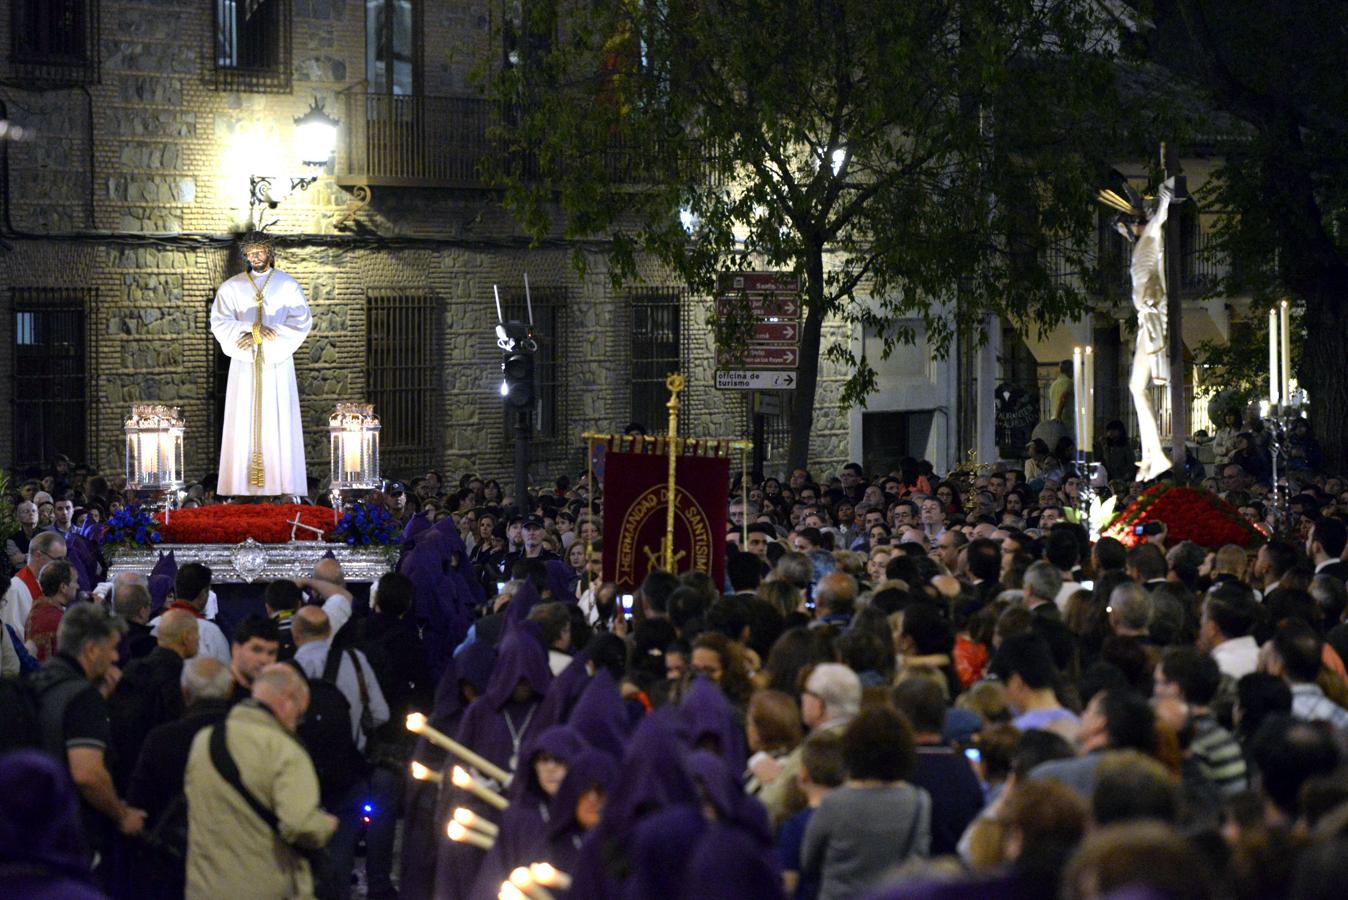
1190 676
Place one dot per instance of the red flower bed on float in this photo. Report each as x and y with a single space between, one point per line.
233 523
1189 514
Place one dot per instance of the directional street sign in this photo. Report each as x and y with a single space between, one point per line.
756 381
763 356
757 282
775 333
762 306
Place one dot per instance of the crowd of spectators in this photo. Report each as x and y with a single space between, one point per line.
906 685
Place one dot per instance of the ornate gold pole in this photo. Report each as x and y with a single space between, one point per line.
675 384
589 465
744 495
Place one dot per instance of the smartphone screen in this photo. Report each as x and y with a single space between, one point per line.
500 586
627 607
973 755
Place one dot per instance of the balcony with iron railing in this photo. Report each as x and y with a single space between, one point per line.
1203 266
428 141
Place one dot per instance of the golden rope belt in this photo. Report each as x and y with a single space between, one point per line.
257 476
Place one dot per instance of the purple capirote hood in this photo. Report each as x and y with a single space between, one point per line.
600 717
654 775
562 696
561 743
522 603
561 581
707 716
39 816
161 581
588 769
521 656
722 789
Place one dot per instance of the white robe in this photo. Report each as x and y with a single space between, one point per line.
286 311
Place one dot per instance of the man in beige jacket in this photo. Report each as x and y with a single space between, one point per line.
231 851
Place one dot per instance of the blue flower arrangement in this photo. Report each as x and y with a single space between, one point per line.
130 526
364 526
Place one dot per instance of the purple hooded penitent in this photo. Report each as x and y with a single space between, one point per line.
83 557
42 850
161 581
449 527
660 850
590 769
443 602
599 715
495 725
522 603
563 694
523 835
653 777
730 864
561 581
710 723
722 789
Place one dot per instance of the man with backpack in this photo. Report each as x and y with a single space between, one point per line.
72 717
346 706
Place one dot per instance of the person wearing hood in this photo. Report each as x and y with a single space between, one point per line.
524 824
43 855
495 726
464 681
578 806
711 723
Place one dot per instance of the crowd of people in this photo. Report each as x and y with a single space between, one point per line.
904 686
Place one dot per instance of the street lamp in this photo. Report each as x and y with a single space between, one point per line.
315 136
154 451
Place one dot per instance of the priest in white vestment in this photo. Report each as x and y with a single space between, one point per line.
262 443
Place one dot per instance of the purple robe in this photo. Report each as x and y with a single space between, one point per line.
443 604
722 789
653 777
590 769
563 694
661 848
561 581
459 562
421 837
600 717
728 864
523 835
42 849
162 576
710 723
523 603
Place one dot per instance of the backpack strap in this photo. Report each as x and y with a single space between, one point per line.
332 665
229 771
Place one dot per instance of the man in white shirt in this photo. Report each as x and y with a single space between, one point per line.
191 588
45 547
1224 630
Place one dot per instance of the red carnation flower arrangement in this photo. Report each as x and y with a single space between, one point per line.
234 523
1189 514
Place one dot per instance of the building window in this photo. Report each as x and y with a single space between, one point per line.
657 350
54 41
391 52
252 45
403 366
549 306
50 374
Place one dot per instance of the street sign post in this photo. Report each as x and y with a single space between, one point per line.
772 301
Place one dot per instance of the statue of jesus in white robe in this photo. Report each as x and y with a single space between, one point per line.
262 438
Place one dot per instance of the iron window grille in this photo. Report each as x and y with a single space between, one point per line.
403 366
253 46
54 41
50 373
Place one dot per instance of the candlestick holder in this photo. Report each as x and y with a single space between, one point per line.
353 431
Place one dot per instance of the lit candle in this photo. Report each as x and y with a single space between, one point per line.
1088 405
1273 346
469 819
460 835
545 874
522 880
351 439
1078 396
1286 386
416 723
422 773
149 456
167 458
509 892
465 782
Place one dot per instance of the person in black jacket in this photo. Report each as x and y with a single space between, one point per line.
148 693
157 778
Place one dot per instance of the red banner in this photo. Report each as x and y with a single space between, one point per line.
636 502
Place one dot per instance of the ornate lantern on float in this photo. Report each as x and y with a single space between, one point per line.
154 450
353 430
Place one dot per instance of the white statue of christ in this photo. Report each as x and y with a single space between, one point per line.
260 317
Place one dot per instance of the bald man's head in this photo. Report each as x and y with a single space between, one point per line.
178 631
310 624
330 570
284 691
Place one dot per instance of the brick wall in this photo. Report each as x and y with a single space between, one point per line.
133 182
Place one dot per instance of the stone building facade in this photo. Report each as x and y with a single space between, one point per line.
142 122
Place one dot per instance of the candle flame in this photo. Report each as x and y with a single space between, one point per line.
456 831
460 777
416 722
510 892
420 772
521 878
465 817
543 873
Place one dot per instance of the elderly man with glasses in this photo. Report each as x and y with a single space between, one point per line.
45 547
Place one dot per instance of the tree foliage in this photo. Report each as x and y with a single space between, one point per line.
922 162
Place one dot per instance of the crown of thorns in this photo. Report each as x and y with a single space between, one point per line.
256 239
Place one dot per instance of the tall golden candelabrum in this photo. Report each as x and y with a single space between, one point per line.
675 383
968 471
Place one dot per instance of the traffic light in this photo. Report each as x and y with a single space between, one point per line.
517 378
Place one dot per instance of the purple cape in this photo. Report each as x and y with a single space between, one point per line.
161 581
40 828
599 715
722 789
728 864
449 527
710 723
561 581
443 601
563 694
662 846
523 603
